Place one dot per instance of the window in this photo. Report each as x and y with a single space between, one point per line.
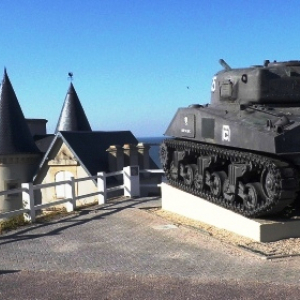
63 190
11 185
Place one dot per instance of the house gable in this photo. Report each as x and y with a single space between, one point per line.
63 157
58 157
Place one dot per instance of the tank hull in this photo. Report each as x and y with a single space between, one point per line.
231 127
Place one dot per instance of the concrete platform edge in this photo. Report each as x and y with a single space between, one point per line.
193 207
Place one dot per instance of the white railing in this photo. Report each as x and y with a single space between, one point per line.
131 186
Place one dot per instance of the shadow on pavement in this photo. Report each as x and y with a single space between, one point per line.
107 209
2 272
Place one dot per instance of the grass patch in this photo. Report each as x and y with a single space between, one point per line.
12 223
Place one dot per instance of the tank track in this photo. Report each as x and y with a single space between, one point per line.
284 176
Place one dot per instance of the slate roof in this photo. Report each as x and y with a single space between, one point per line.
15 136
72 116
43 141
90 147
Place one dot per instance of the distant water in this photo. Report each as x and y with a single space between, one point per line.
154 142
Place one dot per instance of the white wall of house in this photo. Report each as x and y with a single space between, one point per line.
14 170
85 187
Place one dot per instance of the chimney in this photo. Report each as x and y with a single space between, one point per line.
130 155
143 157
115 158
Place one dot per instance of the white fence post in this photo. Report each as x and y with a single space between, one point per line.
131 181
101 183
28 201
71 205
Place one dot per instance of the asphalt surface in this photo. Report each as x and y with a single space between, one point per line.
121 251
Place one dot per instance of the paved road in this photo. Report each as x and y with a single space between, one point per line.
121 251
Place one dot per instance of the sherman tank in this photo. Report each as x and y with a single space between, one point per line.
241 151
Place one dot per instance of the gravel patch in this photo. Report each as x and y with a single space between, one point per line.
278 249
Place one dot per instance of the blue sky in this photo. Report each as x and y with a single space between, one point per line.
134 59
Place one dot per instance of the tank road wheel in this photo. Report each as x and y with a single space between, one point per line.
268 182
189 175
230 197
173 171
253 195
198 180
217 182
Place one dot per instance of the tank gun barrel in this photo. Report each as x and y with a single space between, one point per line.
224 64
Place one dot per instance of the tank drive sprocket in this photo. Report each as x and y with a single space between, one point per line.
251 184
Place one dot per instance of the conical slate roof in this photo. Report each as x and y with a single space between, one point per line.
72 116
15 136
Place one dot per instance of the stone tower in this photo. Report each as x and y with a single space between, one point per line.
19 156
72 116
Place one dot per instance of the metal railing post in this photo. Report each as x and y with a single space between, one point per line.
101 183
28 201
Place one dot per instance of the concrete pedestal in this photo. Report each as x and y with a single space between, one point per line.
185 204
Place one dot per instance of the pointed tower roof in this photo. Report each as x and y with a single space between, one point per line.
72 116
15 136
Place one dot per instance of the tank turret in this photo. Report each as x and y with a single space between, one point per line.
241 151
269 83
